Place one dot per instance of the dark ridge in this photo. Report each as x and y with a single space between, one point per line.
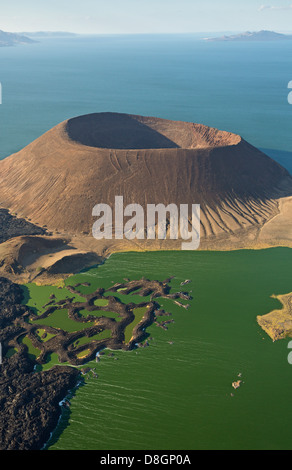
11 227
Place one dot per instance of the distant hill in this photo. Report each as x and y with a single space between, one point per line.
13 39
254 36
49 34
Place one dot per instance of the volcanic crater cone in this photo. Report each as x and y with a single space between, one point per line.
58 179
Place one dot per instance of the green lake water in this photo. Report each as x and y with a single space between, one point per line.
177 393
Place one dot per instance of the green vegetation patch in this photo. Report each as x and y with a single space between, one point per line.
43 335
60 319
84 353
33 352
101 302
51 360
37 297
85 339
139 314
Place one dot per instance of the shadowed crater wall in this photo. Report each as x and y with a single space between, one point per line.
116 131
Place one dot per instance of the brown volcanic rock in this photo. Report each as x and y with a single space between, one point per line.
29 401
60 177
31 257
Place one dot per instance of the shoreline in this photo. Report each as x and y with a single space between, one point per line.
70 392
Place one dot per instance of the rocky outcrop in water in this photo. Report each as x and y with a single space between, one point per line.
278 323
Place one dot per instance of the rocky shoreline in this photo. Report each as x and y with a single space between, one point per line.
29 401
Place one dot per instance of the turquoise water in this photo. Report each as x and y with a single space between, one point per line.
178 396
240 87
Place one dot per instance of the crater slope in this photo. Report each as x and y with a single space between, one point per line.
58 179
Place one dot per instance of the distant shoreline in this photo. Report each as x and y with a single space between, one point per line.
255 36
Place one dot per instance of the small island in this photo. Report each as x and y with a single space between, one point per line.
249 36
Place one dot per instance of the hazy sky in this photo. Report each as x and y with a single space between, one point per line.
145 16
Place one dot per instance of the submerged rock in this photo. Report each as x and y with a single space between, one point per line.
236 385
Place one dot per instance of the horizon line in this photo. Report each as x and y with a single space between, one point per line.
143 33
